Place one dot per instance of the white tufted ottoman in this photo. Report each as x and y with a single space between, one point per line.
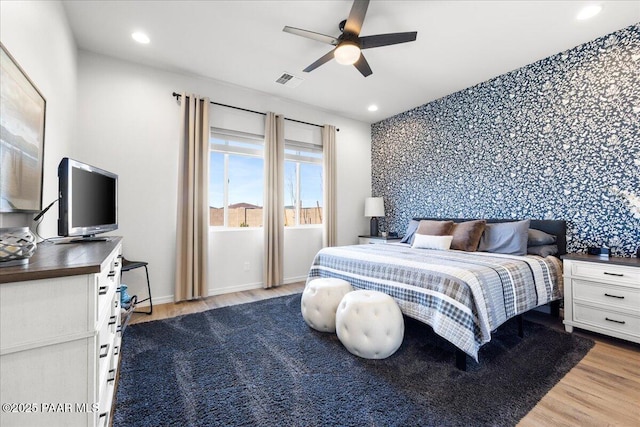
320 300
369 324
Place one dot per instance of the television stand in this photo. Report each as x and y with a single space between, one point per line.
61 332
89 239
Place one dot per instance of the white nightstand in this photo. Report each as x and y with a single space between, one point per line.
602 295
378 240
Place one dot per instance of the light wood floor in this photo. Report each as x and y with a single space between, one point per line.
602 390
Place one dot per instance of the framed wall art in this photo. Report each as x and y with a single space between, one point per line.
22 120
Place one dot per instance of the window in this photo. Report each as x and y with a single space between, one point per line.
302 184
236 179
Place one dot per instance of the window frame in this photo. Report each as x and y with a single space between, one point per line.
226 150
297 159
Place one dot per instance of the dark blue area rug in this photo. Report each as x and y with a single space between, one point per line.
259 364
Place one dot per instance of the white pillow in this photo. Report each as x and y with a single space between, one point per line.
426 241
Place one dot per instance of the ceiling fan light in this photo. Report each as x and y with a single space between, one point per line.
347 54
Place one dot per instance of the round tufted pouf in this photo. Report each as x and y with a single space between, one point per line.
369 324
320 300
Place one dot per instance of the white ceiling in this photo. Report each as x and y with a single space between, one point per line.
459 44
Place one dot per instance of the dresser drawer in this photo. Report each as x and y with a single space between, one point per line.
104 350
608 273
606 319
40 312
625 297
107 283
106 393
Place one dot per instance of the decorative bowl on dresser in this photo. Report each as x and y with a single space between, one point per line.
602 294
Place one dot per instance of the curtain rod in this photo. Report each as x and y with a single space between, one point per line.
178 95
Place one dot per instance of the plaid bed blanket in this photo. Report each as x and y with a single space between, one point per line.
463 296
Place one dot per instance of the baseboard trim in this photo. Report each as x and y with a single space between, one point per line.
294 280
237 288
158 300
226 290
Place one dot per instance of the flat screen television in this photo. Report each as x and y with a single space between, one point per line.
88 200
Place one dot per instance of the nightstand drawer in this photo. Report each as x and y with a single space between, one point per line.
618 296
606 273
606 319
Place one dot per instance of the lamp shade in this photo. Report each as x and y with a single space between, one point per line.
374 206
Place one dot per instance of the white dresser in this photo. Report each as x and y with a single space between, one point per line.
602 295
60 336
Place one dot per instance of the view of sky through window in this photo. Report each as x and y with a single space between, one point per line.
246 181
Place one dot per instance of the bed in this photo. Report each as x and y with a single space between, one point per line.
463 296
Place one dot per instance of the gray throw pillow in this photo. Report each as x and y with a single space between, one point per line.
542 250
411 230
505 238
539 238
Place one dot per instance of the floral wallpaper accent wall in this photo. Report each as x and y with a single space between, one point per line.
557 139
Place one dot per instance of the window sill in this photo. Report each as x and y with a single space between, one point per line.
217 229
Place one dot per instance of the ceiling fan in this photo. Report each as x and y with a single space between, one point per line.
349 44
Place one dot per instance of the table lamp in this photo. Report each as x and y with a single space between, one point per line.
374 207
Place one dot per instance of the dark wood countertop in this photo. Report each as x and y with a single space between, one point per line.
630 262
62 259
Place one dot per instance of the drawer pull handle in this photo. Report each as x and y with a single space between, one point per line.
119 329
118 289
112 320
116 350
112 375
614 274
102 290
622 322
613 296
102 415
104 350
112 273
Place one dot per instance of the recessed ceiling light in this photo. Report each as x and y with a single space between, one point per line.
373 107
140 37
589 12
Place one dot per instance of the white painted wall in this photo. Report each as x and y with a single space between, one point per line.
37 35
128 123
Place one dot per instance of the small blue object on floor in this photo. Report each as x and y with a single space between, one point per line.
125 298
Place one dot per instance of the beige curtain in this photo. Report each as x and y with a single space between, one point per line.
193 206
329 225
273 200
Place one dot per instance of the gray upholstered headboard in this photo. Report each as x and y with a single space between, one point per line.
557 227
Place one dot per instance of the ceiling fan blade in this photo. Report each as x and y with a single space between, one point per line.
311 35
363 66
326 58
367 42
356 16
